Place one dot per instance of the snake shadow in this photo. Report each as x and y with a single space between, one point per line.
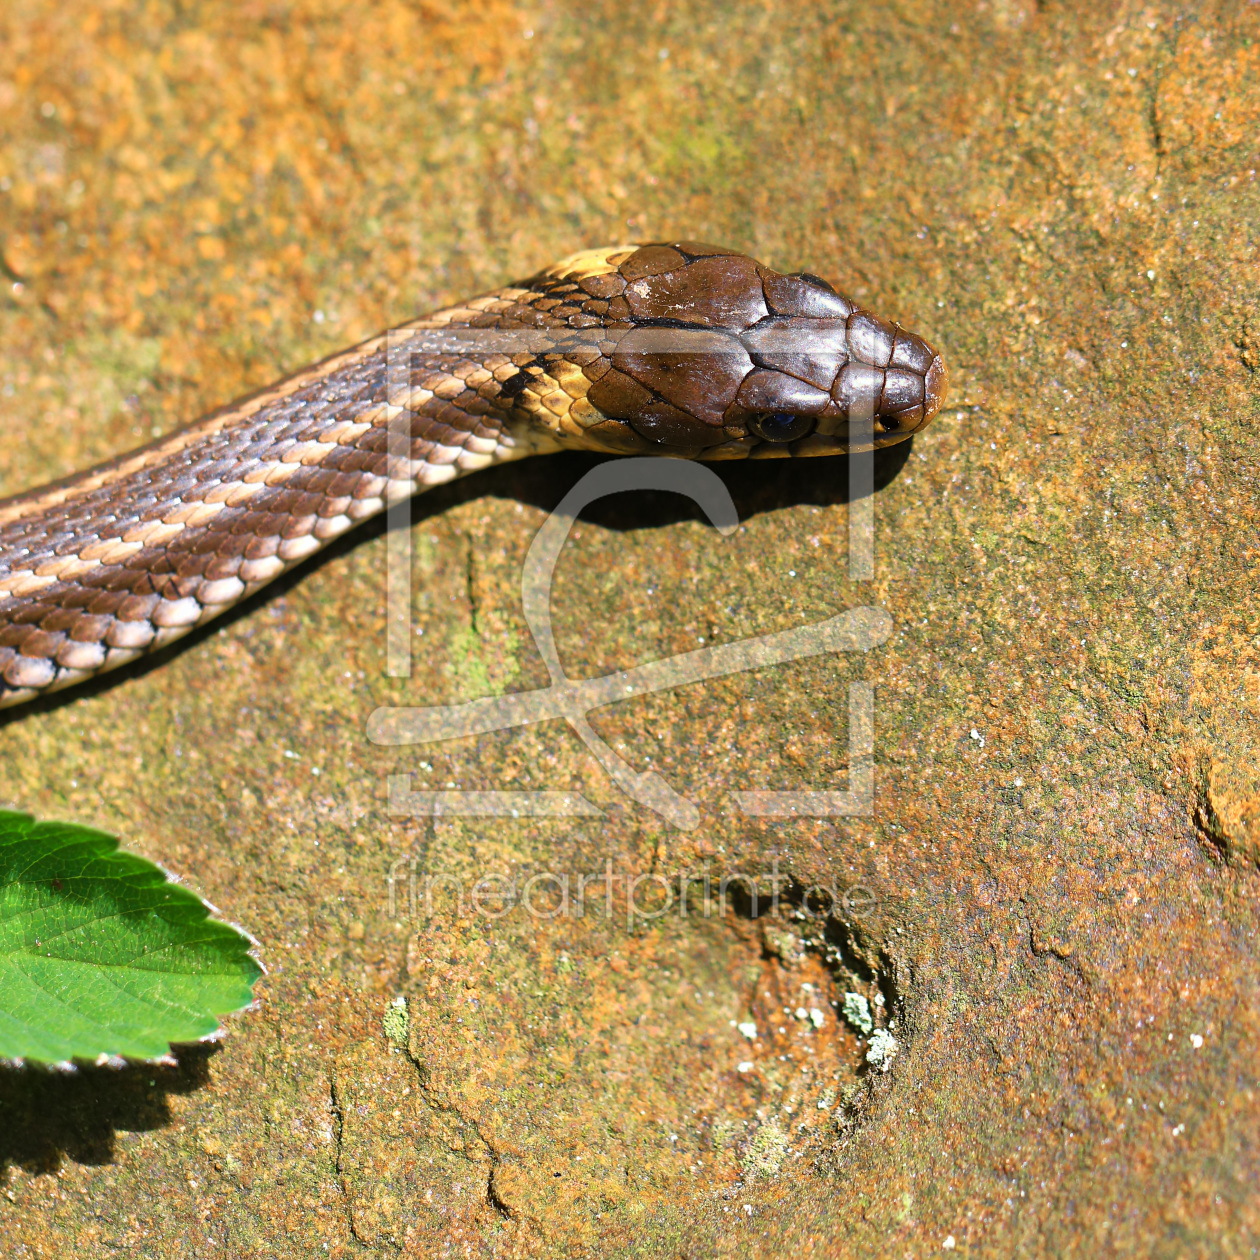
51 1115
755 486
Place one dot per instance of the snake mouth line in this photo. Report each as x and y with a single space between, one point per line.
701 376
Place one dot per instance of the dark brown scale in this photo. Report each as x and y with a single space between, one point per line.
192 566
133 581
902 390
858 388
75 596
453 421
251 522
104 603
486 427
280 500
158 511
305 505
684 380
230 545
213 469
298 526
609 286
200 542
339 484
911 352
804 296
75 543
85 629
377 465
137 607
270 525
774 391
58 619
775 344
221 566
264 547
651 260
38 643
619 394
347 461
35 613
722 292
161 562
870 339
42 642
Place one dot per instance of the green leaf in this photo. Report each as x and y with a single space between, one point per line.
100 954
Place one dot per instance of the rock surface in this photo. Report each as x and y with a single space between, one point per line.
1052 912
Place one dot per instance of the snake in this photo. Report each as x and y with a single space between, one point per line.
668 348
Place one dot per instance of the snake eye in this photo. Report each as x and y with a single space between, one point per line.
780 426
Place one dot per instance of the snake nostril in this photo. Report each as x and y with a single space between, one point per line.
780 426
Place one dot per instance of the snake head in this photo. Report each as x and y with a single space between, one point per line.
708 353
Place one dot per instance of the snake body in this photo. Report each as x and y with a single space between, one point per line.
678 349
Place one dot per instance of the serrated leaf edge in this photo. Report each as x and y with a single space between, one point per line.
213 914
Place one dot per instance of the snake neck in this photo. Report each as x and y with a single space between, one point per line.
118 561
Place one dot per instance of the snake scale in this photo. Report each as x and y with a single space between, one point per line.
678 349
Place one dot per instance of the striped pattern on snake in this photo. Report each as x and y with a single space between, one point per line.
677 349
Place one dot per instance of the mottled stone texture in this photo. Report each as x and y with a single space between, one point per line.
1056 898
